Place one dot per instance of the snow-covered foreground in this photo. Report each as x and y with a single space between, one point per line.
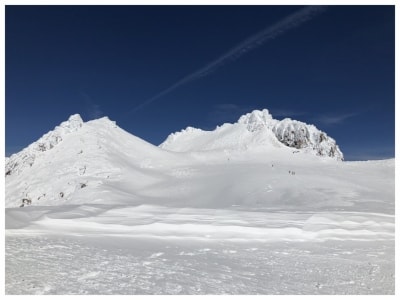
160 250
94 265
109 213
100 249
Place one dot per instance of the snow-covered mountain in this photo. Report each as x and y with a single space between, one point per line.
99 162
256 129
18 162
76 155
257 207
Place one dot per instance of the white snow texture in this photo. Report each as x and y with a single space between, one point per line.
260 206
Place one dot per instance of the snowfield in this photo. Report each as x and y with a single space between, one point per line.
231 211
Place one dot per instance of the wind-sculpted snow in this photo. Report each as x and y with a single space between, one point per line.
262 130
194 224
230 211
160 250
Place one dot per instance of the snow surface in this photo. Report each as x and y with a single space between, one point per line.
233 211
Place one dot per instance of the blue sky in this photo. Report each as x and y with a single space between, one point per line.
158 69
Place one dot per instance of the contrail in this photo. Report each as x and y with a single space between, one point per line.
256 40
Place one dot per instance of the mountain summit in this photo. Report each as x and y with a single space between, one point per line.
256 129
26 157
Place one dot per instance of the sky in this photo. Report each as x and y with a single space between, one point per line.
158 69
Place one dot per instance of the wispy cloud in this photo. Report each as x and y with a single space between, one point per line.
93 110
335 119
269 33
366 156
285 113
227 112
370 153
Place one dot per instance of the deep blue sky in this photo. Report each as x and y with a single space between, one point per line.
335 70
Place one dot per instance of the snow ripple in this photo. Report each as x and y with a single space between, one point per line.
203 224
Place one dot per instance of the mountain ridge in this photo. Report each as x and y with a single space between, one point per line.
97 169
98 160
261 129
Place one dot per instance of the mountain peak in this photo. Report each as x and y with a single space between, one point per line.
25 158
75 117
52 138
293 133
257 119
255 129
104 121
73 123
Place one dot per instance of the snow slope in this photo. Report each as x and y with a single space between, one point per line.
230 211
